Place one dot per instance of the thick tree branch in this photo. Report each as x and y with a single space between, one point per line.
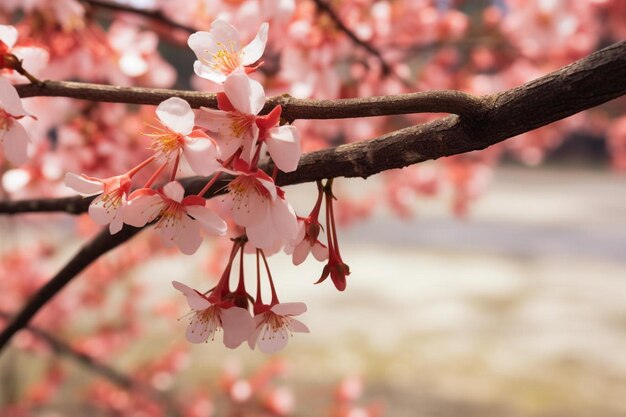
93 365
586 83
443 101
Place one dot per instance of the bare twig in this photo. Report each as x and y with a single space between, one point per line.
156 15
324 7
121 380
586 83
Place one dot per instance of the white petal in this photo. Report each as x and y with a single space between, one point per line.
254 50
200 42
210 222
195 300
9 99
15 141
117 224
250 208
173 190
226 34
289 309
245 94
100 214
176 114
133 64
283 144
8 35
284 218
83 185
216 121
238 326
202 154
270 341
142 209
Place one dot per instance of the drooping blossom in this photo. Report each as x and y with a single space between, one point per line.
13 137
307 242
180 218
176 135
274 326
212 314
260 206
107 207
220 51
237 125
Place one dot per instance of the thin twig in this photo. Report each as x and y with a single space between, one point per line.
152 15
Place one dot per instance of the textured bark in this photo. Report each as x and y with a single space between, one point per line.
481 122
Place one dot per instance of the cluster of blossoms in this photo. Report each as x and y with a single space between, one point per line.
229 140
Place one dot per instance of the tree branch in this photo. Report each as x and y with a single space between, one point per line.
116 377
586 83
441 101
324 7
152 15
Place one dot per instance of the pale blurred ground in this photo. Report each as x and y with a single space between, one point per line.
519 310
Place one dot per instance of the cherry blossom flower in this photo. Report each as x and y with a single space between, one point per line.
260 206
212 314
31 58
180 218
177 135
274 326
237 126
220 52
307 242
107 207
13 137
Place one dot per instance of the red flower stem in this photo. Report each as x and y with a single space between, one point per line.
223 282
139 167
269 277
241 286
331 246
274 173
154 176
259 299
209 184
318 204
173 176
332 221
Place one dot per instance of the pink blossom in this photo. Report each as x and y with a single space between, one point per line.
237 125
220 52
307 242
177 135
274 326
13 137
32 58
211 314
180 218
107 207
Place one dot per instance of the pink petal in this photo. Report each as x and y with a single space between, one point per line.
34 59
187 235
100 214
176 114
198 331
9 99
246 94
283 145
320 252
133 64
284 219
301 252
226 34
238 326
271 341
210 222
195 300
8 35
249 209
15 140
142 209
254 50
249 143
298 327
202 155
208 73
83 185
262 235
174 191
289 309
117 224
216 121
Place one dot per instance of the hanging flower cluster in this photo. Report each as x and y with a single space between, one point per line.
231 140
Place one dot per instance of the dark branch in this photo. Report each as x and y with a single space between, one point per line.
156 16
443 101
121 380
586 83
326 8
